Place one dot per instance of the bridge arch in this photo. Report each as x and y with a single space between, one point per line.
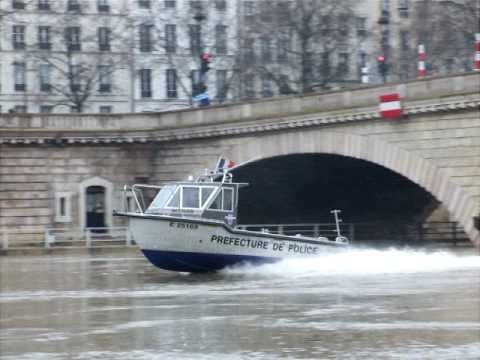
425 173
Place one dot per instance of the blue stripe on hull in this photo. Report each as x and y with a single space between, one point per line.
199 262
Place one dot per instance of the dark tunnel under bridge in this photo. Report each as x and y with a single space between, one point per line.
377 204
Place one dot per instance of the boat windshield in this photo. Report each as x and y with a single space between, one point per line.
163 195
177 197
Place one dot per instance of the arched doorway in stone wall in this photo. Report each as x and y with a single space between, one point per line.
95 206
95 203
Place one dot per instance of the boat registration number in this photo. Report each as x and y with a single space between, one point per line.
183 225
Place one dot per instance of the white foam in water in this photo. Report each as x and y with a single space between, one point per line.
364 262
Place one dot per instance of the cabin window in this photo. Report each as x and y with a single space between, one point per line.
206 192
175 200
217 203
188 197
223 201
228 199
191 197
164 194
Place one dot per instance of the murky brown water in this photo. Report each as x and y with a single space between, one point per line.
363 304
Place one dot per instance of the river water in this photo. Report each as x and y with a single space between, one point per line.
360 304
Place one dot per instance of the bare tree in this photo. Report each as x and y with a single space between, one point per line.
447 29
72 61
83 62
299 45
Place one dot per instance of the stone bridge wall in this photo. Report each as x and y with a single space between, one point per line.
437 145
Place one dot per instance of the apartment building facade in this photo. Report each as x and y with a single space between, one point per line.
144 55
112 56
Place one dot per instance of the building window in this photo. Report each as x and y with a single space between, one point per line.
19 76
344 25
170 4
21 109
18 4
104 35
144 4
171 83
266 49
385 6
63 211
361 26
44 71
146 83
221 85
18 37
105 109
221 39
266 13
103 6
145 38
325 65
220 5
73 5
43 5
249 53
170 38
46 109
195 39
404 40
248 11
74 77
104 78
283 85
72 38
266 85
44 38
283 45
343 62
196 5
249 83
403 8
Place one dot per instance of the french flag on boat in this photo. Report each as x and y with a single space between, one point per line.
390 106
224 164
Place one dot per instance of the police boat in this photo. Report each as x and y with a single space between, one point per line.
190 226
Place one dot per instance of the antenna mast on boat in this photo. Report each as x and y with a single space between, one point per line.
340 238
337 220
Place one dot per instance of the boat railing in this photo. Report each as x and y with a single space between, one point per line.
401 232
328 230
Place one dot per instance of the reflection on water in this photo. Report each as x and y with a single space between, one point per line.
360 304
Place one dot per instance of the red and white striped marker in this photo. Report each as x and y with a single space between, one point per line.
390 106
421 71
477 52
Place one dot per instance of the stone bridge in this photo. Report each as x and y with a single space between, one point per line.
50 165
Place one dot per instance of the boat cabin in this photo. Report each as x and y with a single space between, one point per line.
206 199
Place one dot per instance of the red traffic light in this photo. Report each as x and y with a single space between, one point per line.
206 56
380 58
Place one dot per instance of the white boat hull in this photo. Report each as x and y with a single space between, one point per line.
191 245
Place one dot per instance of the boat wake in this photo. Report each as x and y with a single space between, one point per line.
363 262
